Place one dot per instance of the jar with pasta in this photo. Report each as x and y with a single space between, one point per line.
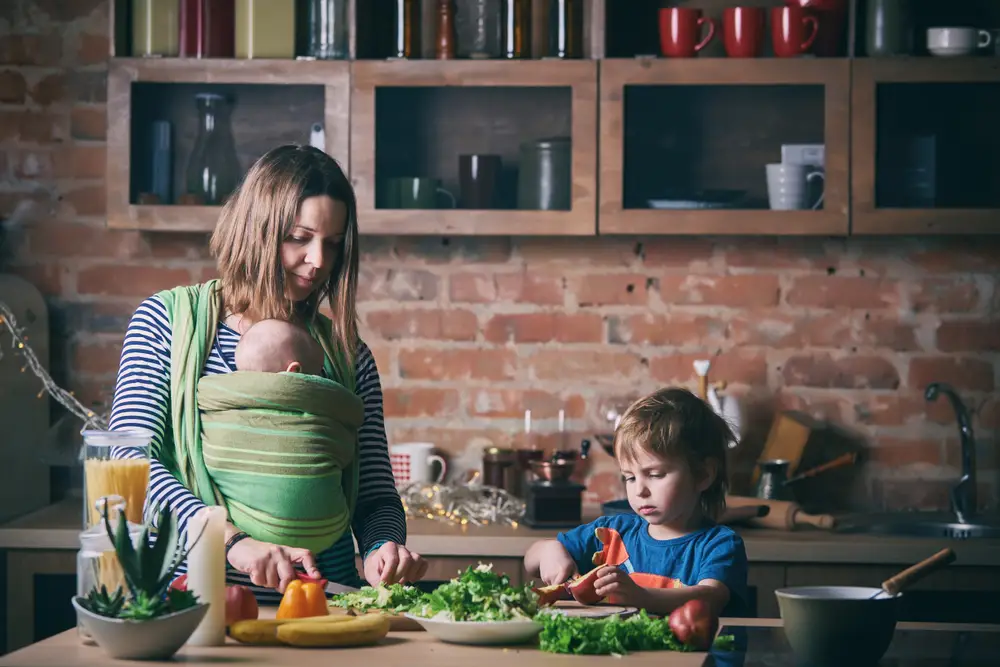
115 463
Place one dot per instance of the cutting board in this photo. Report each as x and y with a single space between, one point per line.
24 417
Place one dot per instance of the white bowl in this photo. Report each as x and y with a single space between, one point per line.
157 639
483 633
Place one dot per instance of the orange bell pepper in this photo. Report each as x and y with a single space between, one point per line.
303 599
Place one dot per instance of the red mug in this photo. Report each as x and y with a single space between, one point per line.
789 35
679 31
743 31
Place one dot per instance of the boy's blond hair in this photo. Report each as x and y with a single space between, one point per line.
675 424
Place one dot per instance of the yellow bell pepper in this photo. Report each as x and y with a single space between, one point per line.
303 599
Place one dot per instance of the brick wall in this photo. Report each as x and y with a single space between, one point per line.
470 332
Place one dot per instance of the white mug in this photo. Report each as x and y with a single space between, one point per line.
957 41
412 462
788 186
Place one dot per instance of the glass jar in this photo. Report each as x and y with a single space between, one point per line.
105 476
544 174
206 28
479 27
265 29
328 31
517 29
213 169
406 29
154 28
565 38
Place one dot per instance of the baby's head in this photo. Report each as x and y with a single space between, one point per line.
679 434
273 346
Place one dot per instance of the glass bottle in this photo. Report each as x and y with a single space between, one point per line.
889 28
406 29
517 29
206 28
565 29
479 26
154 28
445 45
328 29
265 29
213 170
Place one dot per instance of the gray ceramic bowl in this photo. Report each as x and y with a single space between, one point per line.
838 625
157 639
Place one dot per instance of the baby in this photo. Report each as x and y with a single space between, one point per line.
671 449
274 346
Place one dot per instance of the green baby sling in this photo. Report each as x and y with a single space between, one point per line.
278 450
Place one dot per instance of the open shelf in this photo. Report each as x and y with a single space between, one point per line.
926 146
700 132
273 102
413 119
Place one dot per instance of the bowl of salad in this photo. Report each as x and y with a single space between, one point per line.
479 607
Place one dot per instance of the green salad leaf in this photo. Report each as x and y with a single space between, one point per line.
479 594
393 599
612 635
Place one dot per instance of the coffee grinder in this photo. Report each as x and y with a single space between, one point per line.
552 498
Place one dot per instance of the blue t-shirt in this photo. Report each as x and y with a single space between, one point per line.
623 540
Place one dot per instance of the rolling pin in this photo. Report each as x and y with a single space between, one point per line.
784 514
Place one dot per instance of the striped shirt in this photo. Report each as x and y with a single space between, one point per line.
142 400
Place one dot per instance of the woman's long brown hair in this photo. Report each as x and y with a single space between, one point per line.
256 220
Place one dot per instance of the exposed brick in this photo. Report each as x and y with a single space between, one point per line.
33 164
206 273
517 287
12 87
44 50
90 122
568 365
398 324
676 329
577 251
899 409
823 406
944 295
178 246
745 291
544 328
117 280
81 162
911 494
630 289
94 49
843 292
62 11
96 317
509 403
437 250
988 415
457 364
969 374
48 277
851 372
452 441
90 200
735 367
89 86
397 285
419 402
29 126
49 89
97 358
677 252
779 253
66 239
968 336
383 360
94 393
898 452
981 255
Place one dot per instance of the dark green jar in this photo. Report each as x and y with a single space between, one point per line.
889 29
545 174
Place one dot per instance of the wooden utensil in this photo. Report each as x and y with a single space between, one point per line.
915 573
784 514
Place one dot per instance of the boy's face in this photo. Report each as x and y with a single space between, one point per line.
662 491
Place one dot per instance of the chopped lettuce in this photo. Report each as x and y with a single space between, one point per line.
393 599
479 594
612 635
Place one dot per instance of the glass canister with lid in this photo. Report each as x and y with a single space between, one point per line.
115 464
544 178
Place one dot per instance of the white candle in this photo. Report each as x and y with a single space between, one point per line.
527 421
562 420
206 565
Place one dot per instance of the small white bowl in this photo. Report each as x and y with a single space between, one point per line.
481 633
156 639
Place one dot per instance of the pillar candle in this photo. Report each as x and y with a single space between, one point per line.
206 565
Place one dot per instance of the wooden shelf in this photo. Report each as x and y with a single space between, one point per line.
174 218
452 80
867 75
832 74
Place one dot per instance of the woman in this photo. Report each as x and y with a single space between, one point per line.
286 240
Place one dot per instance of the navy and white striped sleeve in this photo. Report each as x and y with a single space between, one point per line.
142 400
379 515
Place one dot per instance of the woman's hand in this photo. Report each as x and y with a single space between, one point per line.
615 584
271 565
393 563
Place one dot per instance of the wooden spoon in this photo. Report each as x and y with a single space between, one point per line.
915 573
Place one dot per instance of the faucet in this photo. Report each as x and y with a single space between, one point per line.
963 494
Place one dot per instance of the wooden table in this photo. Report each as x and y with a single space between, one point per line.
420 649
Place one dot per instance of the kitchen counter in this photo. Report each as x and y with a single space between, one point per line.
57 528
760 642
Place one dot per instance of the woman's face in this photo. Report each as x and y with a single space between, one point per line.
311 249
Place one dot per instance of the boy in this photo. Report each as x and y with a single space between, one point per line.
671 448
274 346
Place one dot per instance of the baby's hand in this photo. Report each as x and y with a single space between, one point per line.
556 566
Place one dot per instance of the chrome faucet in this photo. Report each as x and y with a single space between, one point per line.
963 494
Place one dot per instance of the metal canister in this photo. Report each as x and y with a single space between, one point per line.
545 174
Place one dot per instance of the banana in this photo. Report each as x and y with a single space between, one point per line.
358 631
263 632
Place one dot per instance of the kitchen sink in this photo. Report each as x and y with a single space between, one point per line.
922 524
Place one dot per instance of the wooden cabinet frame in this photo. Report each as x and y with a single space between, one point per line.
867 74
833 74
579 75
334 76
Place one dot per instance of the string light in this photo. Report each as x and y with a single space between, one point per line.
461 505
65 398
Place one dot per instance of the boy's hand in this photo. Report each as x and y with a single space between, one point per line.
615 584
555 565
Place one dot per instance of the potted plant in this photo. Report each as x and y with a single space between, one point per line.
150 620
